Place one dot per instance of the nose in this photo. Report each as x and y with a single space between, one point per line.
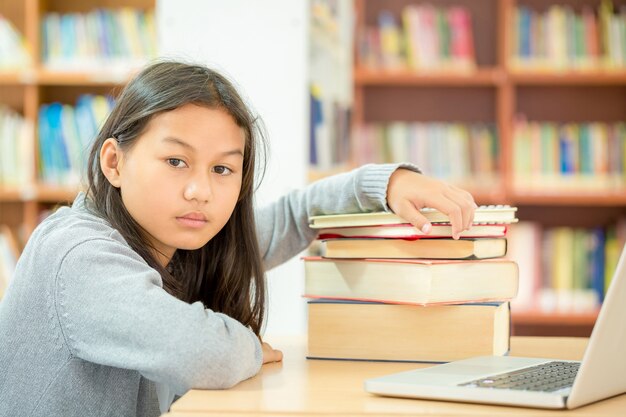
199 188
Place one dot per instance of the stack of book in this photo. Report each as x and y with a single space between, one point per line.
382 290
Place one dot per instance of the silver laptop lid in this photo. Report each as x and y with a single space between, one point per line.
602 373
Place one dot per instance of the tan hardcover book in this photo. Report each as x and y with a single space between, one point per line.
387 332
411 281
482 215
407 249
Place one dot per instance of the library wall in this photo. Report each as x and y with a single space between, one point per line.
528 115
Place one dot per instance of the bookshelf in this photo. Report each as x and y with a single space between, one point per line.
26 89
496 91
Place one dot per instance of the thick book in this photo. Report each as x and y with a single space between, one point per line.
413 249
387 332
482 215
411 281
408 231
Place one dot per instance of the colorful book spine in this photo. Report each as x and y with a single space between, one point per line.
562 38
428 38
64 136
564 269
16 150
457 152
116 38
13 49
570 156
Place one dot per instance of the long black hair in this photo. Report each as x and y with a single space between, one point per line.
227 273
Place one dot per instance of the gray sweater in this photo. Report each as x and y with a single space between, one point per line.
86 328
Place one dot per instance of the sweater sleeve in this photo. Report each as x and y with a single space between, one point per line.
113 311
283 228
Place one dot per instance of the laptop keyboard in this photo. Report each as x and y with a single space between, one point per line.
547 377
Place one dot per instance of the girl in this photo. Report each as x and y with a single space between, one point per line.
154 279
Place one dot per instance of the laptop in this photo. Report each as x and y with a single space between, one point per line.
530 382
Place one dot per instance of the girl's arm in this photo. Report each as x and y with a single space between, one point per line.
112 310
283 226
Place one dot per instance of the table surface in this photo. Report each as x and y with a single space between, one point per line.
298 387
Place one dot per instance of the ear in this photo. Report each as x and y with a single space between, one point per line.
110 157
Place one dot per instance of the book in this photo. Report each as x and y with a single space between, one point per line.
9 253
524 248
411 281
417 249
482 215
387 332
408 231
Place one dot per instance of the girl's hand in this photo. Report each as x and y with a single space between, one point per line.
409 191
270 354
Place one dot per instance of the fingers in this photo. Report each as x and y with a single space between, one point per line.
458 205
408 192
465 202
270 354
411 214
450 209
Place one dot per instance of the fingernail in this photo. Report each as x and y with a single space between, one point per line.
426 228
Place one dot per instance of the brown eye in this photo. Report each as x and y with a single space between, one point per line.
176 163
222 170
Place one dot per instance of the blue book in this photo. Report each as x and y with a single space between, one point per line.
597 261
45 160
524 32
566 151
58 148
316 120
586 150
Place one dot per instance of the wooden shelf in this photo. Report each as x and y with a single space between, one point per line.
10 77
48 194
38 193
571 78
564 318
480 77
12 195
83 78
580 198
64 78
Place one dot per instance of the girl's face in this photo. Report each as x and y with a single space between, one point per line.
181 179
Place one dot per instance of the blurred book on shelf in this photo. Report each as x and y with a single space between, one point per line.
563 38
329 131
330 86
564 269
9 252
14 54
423 38
117 40
65 135
16 150
574 156
466 154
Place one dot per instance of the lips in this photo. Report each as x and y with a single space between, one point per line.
193 220
194 216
